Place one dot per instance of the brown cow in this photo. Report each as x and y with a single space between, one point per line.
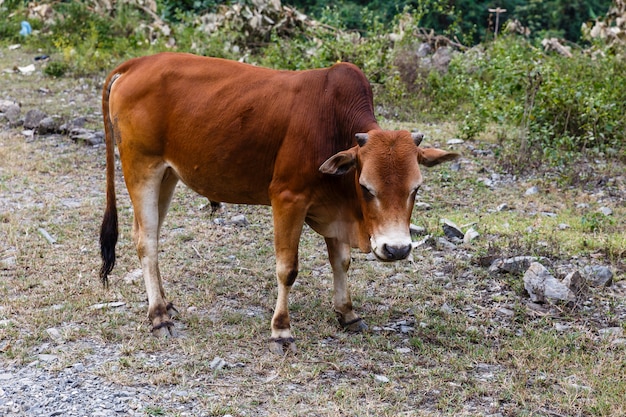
304 142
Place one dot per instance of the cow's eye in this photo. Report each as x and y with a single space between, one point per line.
367 193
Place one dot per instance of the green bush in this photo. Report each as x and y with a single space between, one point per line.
560 106
544 106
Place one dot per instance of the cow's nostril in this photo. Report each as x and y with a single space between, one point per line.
396 252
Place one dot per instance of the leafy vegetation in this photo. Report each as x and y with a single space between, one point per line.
539 106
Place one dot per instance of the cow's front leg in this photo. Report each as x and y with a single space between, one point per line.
288 222
339 257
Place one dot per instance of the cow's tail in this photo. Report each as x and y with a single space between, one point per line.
109 228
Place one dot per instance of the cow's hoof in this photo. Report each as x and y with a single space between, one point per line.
163 330
357 325
278 344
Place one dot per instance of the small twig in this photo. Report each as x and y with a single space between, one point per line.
198 253
47 236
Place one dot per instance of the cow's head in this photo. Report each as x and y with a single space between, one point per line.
387 179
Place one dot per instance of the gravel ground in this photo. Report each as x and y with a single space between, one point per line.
39 389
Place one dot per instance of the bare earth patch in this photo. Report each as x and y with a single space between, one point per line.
447 337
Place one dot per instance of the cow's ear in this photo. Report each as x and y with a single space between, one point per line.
340 163
431 156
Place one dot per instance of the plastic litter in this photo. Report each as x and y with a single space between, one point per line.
26 29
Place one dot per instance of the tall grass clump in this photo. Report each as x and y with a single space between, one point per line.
559 106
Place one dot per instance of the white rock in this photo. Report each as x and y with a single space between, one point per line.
55 334
381 378
532 191
133 276
606 211
470 235
541 285
455 141
217 363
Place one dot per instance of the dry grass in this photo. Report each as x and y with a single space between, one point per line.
471 343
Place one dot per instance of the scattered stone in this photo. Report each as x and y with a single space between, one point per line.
503 207
28 69
445 308
421 206
548 214
541 285
488 182
446 244
406 329
44 357
606 211
403 350
47 125
55 334
470 235
239 220
517 264
33 118
381 378
563 226
89 137
217 363
616 332
598 276
28 133
505 312
532 191
561 327
134 276
451 230
77 123
582 206
417 230
575 282
10 110
455 141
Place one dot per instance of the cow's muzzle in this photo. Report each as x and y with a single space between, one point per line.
395 252
391 252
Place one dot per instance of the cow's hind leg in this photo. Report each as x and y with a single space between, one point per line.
151 195
339 257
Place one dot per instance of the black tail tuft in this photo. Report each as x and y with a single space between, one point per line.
108 240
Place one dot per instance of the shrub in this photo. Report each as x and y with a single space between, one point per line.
560 106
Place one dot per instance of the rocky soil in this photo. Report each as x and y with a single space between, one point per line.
68 370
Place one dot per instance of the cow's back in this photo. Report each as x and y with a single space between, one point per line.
229 129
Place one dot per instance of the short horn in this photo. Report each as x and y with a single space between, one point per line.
417 137
361 138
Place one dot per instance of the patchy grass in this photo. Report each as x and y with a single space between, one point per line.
446 338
